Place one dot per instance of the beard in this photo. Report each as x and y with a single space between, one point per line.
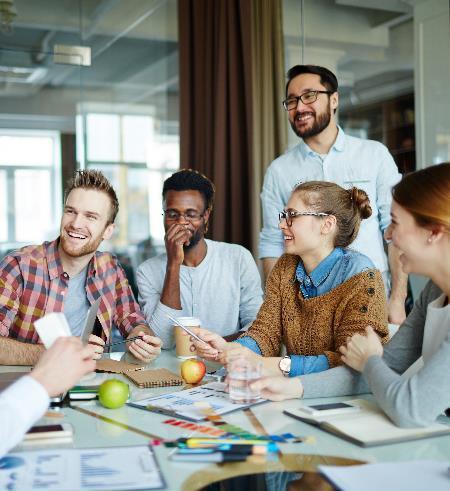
197 236
90 247
320 122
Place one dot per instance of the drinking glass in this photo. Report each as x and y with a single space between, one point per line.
241 374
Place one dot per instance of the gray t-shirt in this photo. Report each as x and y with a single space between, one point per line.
76 304
409 402
223 291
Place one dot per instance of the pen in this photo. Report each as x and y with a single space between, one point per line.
225 449
128 340
233 449
214 441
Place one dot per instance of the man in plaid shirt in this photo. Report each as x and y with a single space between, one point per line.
68 275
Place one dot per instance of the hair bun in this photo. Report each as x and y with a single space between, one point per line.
361 201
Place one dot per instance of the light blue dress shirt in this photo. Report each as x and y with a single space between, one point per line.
351 161
339 266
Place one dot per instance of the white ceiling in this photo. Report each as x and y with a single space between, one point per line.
135 56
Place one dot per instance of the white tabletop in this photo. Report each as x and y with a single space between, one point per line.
91 431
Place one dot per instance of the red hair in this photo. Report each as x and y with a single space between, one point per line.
426 195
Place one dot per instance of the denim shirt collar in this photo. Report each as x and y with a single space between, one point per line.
322 270
338 145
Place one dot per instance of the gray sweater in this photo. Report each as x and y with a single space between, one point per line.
223 291
416 401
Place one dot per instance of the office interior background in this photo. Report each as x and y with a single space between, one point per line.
199 83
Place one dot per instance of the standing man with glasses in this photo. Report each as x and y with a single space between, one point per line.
216 282
326 153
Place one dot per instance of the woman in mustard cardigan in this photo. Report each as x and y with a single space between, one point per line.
318 294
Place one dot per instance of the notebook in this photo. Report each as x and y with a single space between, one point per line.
368 427
158 377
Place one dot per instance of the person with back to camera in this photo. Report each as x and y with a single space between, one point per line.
319 292
420 229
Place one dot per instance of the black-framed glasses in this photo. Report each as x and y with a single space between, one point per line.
289 215
190 215
307 98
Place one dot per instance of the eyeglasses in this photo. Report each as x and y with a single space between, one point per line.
306 98
190 215
288 215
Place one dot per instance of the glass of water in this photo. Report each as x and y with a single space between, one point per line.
241 374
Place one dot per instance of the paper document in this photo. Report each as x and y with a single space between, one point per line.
183 403
112 469
398 476
51 327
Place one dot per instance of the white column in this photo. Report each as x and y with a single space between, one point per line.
432 81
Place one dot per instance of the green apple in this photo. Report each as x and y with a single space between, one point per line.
113 393
192 371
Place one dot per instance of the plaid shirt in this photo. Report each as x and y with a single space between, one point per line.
33 283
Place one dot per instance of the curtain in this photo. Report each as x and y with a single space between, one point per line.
225 75
269 122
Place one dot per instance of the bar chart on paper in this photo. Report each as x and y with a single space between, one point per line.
88 469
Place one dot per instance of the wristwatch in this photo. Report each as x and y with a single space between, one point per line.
285 365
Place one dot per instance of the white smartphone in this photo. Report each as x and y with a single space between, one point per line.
49 431
330 408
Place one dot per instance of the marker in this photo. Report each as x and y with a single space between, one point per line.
215 457
229 449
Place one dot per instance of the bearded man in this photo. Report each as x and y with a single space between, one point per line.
218 283
68 275
326 153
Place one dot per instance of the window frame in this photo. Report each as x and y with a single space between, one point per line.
55 182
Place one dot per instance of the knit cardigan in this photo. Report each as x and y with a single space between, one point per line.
317 325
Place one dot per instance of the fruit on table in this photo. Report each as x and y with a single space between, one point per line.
113 393
192 371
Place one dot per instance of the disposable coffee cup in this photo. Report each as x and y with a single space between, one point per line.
183 341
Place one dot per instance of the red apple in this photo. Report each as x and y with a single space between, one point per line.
192 371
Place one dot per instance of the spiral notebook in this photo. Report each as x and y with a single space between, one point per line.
158 377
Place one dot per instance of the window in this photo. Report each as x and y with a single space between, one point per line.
30 190
137 153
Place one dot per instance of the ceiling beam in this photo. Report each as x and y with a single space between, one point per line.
398 6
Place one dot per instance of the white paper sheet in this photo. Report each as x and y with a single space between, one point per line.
393 476
51 327
112 469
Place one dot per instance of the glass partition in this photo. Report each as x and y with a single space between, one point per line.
369 46
87 84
